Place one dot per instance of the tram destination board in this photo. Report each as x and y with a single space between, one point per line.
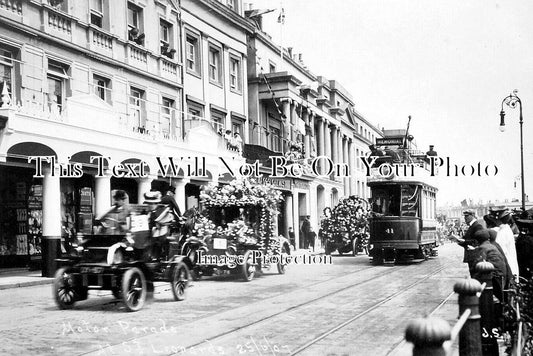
389 141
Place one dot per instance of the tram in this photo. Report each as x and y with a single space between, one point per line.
403 225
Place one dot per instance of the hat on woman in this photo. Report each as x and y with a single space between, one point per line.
152 198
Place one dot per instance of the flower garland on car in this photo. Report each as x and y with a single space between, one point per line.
347 220
245 194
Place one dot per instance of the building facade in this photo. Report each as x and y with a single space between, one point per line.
295 112
79 82
142 95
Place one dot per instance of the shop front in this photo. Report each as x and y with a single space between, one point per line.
21 217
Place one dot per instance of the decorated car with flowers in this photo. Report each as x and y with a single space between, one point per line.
345 228
235 231
125 261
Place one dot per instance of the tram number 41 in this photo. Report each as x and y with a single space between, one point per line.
493 333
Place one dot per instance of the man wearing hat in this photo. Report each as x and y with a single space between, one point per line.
120 209
159 219
170 201
468 242
489 252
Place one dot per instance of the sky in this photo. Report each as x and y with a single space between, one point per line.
447 63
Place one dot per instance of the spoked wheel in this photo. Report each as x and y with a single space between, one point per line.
248 268
282 265
63 289
180 281
134 289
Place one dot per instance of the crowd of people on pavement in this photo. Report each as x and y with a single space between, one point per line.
491 239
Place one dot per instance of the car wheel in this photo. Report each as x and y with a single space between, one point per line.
134 289
180 281
63 289
248 268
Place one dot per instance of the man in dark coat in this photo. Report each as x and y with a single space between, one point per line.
304 229
468 242
488 252
169 200
159 219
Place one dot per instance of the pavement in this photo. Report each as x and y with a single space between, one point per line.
21 277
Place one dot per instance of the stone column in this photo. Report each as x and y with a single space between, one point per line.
296 217
180 192
320 135
289 221
346 161
339 146
327 141
335 145
102 193
285 106
351 166
313 140
307 134
294 118
51 240
143 186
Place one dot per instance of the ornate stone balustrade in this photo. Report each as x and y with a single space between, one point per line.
14 6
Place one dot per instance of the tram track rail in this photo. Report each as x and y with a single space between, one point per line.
163 286
321 336
368 310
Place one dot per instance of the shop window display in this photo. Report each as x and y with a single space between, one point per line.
20 219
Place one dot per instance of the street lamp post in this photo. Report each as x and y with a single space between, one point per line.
511 101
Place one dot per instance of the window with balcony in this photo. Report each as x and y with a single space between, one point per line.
137 109
97 12
102 88
215 67
6 72
60 5
218 121
167 115
274 139
135 24
166 40
235 77
58 79
192 48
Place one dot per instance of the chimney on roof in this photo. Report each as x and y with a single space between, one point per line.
299 57
289 50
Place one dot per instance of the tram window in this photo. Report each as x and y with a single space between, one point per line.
410 200
386 200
